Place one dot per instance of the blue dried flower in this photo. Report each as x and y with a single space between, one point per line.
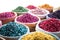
13 29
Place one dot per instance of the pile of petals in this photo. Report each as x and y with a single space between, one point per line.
13 29
31 7
55 14
27 18
38 11
6 15
20 9
38 36
51 25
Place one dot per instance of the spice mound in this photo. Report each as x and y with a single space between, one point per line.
38 36
50 25
20 9
31 7
27 18
55 14
13 29
6 15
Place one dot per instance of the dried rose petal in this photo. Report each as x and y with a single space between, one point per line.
38 11
51 25
31 7
6 15
27 18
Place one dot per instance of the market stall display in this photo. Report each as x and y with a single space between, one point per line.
26 23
